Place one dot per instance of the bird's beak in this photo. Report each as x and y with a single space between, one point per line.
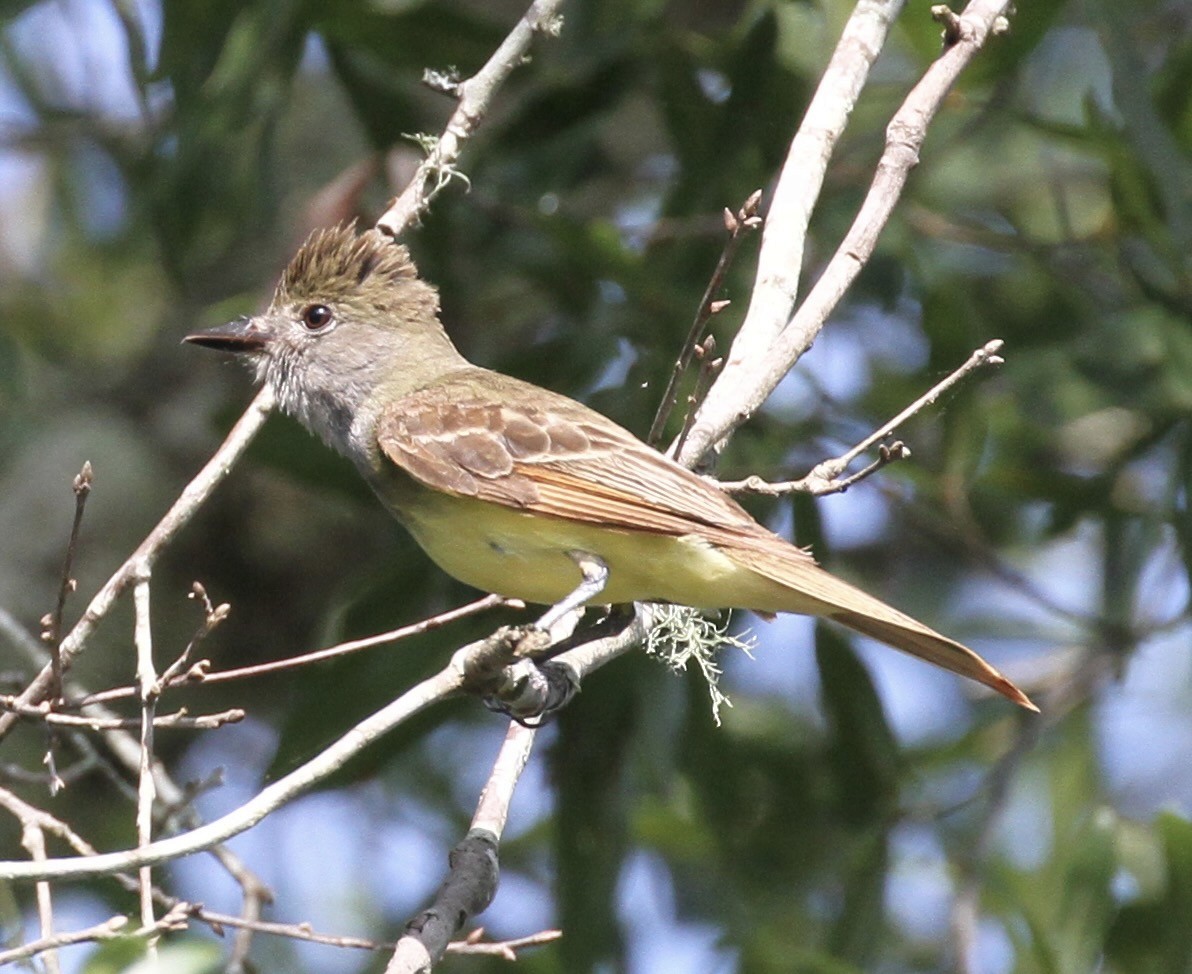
241 335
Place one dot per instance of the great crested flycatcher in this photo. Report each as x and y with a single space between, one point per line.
508 486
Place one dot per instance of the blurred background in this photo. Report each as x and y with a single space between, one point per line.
857 810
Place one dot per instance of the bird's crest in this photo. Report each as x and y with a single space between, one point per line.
337 263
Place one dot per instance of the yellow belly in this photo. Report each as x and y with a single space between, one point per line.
525 556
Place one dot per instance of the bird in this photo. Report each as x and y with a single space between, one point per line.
512 488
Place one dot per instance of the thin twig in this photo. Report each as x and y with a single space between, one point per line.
108 930
179 720
53 631
736 225
175 805
505 949
29 815
199 673
447 682
213 615
825 477
708 369
330 759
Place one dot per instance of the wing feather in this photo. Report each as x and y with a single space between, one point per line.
541 452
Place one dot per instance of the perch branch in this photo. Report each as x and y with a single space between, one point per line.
472 881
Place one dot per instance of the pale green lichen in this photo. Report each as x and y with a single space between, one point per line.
681 635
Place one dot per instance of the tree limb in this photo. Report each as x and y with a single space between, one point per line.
771 340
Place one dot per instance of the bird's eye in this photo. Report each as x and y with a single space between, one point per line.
317 317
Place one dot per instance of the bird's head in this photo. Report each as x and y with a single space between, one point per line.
349 316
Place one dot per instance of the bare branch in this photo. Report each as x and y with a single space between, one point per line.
825 477
770 342
53 632
33 839
180 720
475 97
213 615
108 930
736 225
150 690
199 672
183 509
708 369
493 808
505 949
472 881
508 644
413 701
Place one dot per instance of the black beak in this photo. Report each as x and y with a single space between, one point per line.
241 335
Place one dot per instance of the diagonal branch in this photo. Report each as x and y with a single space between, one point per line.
475 98
770 342
183 509
826 476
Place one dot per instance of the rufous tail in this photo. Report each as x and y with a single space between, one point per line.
811 590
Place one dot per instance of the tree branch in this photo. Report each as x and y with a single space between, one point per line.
826 476
769 342
475 98
179 514
413 701
475 868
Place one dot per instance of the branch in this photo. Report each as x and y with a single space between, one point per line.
472 881
199 673
508 644
254 892
53 631
505 949
825 477
183 509
108 930
475 97
737 225
150 690
413 701
34 841
181 719
769 343
508 672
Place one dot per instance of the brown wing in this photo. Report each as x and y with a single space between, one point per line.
508 442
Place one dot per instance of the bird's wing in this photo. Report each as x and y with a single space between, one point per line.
524 447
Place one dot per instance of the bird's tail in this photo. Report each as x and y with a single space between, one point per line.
802 586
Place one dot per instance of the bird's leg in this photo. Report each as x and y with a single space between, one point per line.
595 577
523 691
